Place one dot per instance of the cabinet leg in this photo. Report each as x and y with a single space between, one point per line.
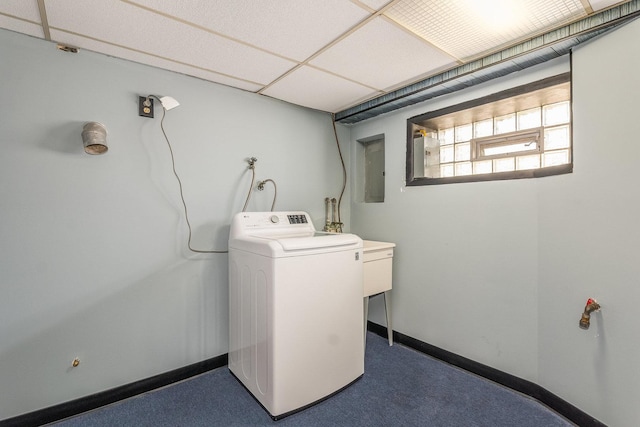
366 316
387 309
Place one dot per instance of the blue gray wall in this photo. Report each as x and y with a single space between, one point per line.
499 272
92 248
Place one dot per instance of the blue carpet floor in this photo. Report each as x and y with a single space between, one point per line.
400 387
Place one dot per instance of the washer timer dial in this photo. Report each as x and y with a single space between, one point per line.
274 219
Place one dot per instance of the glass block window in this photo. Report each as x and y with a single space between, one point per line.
523 135
511 137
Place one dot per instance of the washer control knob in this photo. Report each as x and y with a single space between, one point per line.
274 219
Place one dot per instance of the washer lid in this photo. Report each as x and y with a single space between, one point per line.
285 234
315 240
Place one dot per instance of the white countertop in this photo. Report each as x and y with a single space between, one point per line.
372 245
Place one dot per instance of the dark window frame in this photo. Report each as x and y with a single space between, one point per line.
413 123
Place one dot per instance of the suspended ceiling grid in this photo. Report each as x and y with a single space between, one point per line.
328 55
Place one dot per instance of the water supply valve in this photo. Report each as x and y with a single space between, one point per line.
592 305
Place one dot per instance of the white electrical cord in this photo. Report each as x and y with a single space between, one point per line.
184 204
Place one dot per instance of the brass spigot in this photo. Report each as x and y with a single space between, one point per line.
592 305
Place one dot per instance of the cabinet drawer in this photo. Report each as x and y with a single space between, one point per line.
370 255
377 275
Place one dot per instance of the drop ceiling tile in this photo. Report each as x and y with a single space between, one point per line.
381 55
375 4
316 89
124 25
21 16
597 5
468 28
21 26
295 29
21 9
131 55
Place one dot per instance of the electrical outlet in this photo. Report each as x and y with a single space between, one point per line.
145 107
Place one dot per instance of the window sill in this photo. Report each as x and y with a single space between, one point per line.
530 173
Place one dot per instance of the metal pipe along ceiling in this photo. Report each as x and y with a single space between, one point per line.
537 50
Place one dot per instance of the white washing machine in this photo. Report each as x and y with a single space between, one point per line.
295 309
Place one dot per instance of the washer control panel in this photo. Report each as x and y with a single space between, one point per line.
297 219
